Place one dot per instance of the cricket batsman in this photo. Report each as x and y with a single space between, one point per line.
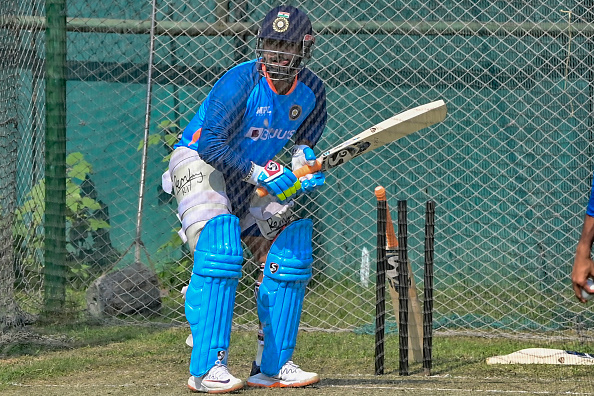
226 151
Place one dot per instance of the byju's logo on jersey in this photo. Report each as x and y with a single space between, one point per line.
266 134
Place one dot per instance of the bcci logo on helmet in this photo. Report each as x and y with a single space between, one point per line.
281 23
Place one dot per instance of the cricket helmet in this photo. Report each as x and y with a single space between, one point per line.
290 25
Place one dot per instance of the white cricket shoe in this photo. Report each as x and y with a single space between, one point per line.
289 376
217 380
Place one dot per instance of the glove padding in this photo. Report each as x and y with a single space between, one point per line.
278 180
304 155
312 182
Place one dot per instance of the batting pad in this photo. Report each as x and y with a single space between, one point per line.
287 271
544 356
210 297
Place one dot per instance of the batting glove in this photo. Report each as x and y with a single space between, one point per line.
304 155
312 182
278 180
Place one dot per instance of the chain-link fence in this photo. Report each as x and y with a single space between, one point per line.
509 169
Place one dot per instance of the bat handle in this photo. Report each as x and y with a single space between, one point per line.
380 194
303 171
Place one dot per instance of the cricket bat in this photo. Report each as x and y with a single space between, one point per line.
544 356
387 131
415 315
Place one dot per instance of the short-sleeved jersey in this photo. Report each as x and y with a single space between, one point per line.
244 120
590 208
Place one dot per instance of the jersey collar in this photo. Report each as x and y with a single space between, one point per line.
271 85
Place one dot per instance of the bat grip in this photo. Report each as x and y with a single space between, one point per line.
303 171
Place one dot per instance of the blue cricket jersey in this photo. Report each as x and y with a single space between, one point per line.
243 119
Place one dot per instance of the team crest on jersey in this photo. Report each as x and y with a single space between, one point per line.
281 23
295 112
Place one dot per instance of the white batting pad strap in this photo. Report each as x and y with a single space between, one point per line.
166 182
205 198
180 155
202 213
182 235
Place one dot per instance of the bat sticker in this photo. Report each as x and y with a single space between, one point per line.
346 154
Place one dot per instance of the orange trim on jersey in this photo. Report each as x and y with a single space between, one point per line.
271 85
195 136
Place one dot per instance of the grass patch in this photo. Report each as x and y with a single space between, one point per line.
107 352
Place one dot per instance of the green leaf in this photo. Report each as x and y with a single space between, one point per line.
74 158
95 224
170 139
79 171
90 203
73 205
167 124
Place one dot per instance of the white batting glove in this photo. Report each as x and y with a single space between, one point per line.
304 155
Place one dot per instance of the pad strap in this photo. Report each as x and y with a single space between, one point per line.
211 294
287 271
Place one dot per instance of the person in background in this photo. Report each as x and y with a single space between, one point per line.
583 266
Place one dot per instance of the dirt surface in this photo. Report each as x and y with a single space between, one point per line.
172 382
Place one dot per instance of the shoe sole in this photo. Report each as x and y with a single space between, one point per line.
227 390
279 384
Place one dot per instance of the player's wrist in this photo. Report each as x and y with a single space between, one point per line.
252 176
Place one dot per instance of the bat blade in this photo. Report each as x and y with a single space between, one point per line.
387 131
543 356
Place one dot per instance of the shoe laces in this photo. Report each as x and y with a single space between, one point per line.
217 372
289 367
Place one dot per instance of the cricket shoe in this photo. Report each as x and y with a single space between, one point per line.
289 376
217 380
